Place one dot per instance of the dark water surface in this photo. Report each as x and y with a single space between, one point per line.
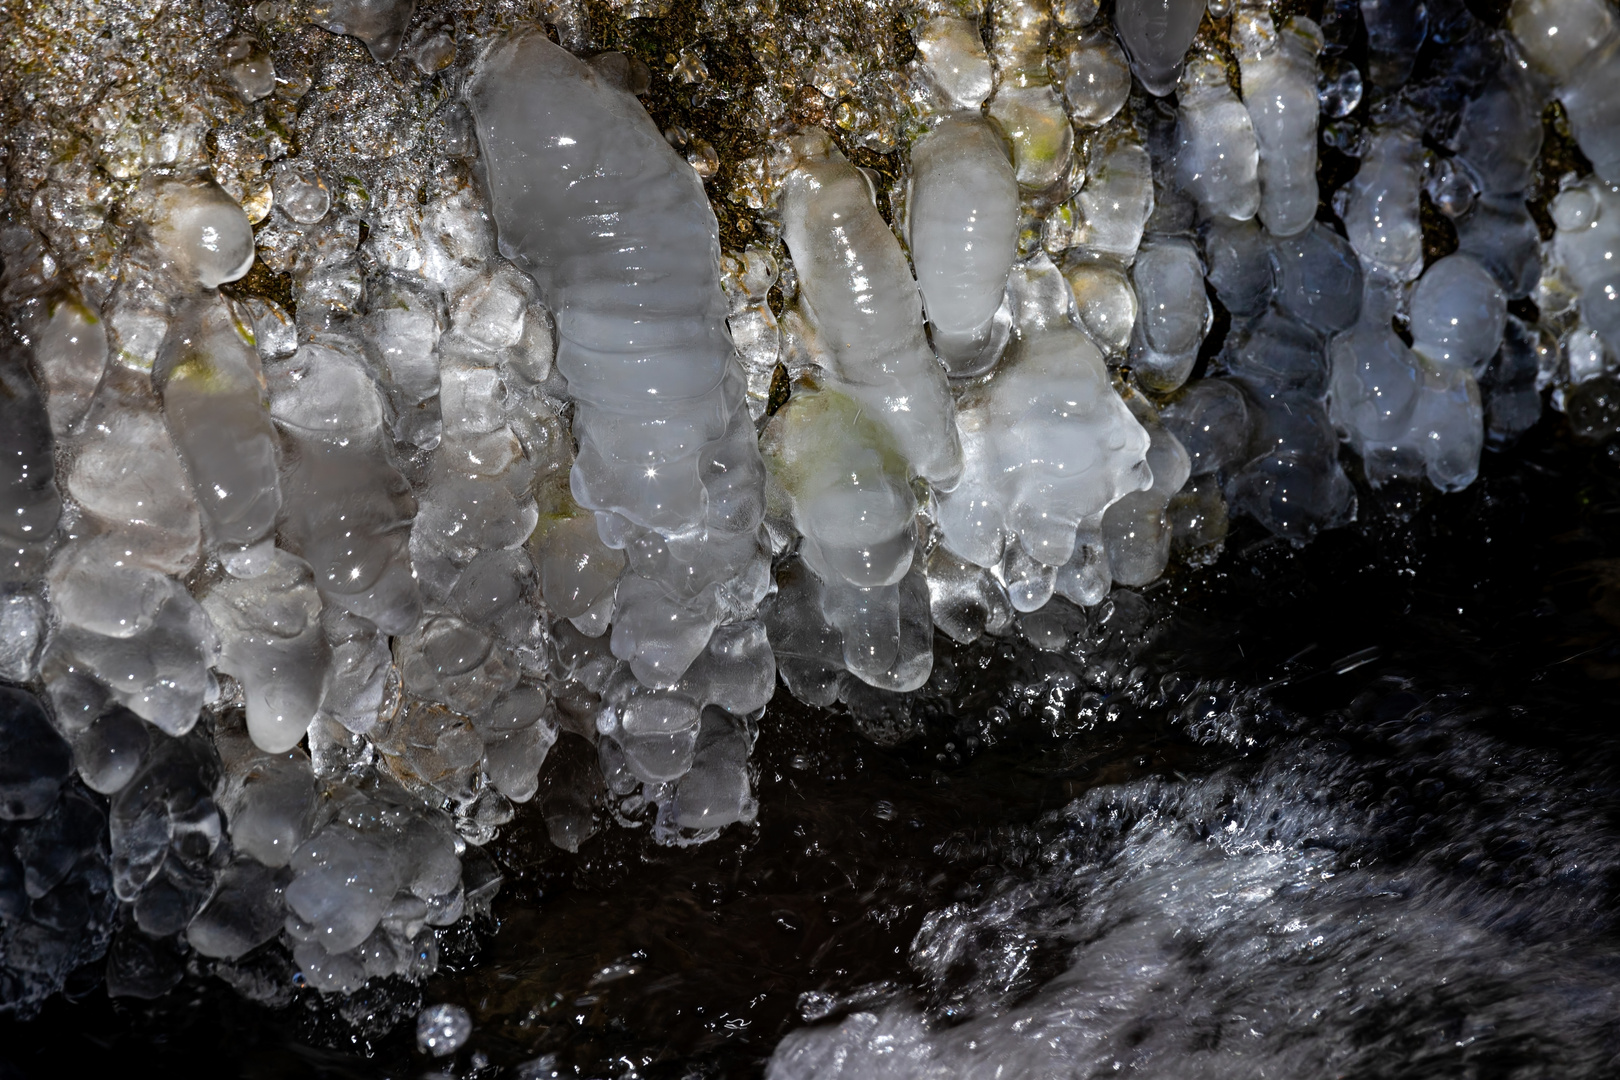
1499 604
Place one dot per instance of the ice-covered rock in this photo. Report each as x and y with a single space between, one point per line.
348 510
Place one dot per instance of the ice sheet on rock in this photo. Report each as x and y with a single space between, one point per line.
1136 529
962 226
168 836
1219 158
127 475
1318 278
1587 215
1113 207
1157 34
862 300
214 402
135 630
1278 67
364 887
1210 419
56 896
518 731
34 761
379 23
748 278
1395 33
403 324
245 911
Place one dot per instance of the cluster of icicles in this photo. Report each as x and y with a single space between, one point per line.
524 486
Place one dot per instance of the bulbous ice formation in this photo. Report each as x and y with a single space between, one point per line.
1457 314
202 231
962 221
1406 414
1157 34
862 300
1576 45
616 231
1279 88
1050 446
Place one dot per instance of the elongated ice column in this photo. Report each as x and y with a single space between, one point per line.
1219 157
1174 313
271 642
1157 34
29 503
1279 88
951 54
1575 44
962 217
1050 447
1113 207
1380 205
848 486
347 510
616 231
1406 414
70 355
215 404
1026 105
127 475
861 298
1587 215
